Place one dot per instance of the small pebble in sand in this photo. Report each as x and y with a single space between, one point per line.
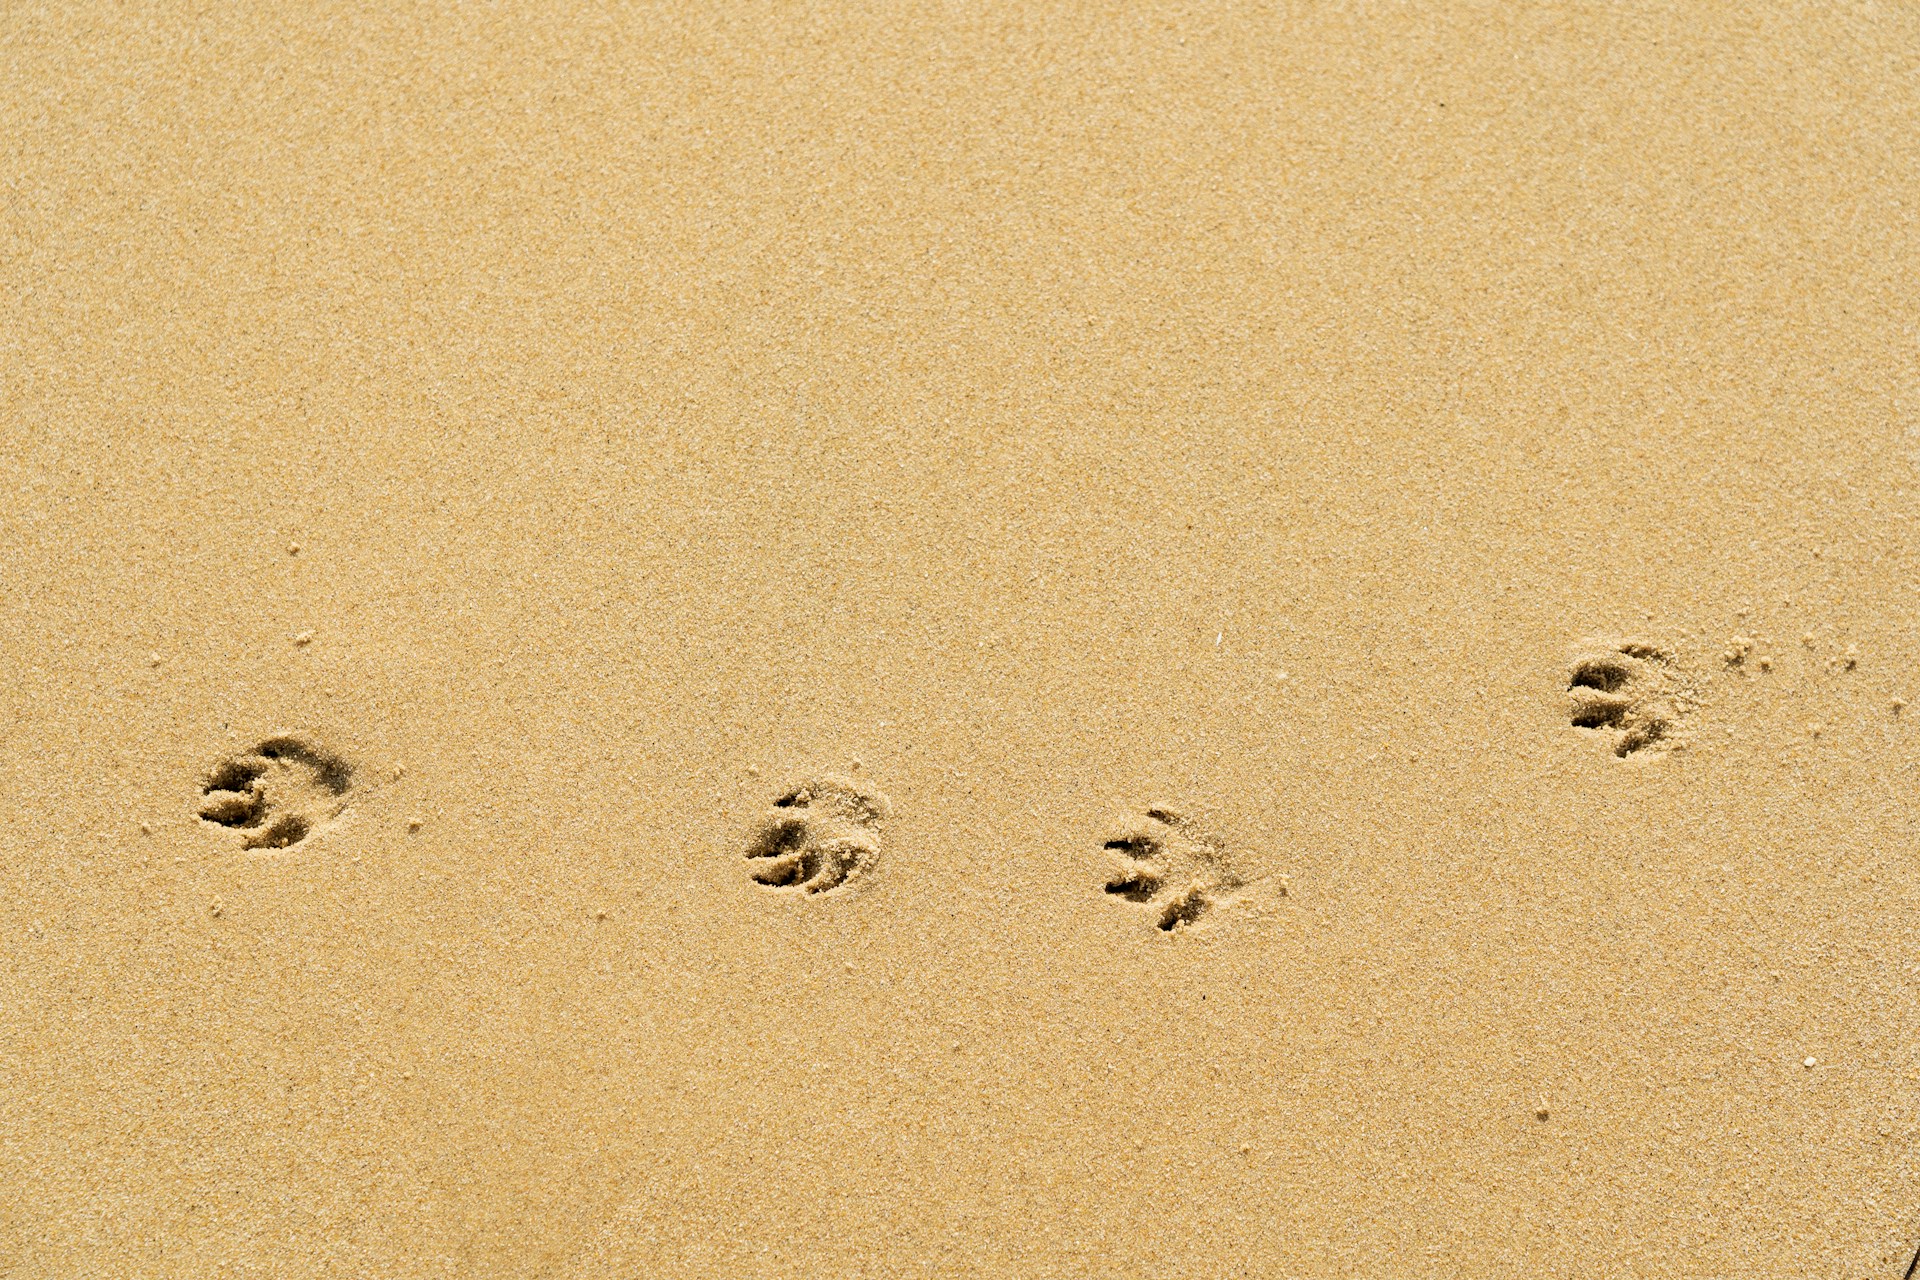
414 824
1811 1062
1541 1113
293 548
1899 705
304 638
153 659
601 914
1807 639
146 828
1813 731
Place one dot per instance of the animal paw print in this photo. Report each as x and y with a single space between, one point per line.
1167 863
820 837
279 793
1630 691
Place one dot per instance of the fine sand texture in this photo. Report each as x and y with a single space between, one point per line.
1010 639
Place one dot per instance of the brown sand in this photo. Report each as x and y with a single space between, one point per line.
1031 415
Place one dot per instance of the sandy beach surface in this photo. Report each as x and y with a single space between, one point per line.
959 640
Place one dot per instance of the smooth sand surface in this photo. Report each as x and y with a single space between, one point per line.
587 428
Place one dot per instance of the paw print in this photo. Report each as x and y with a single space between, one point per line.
819 837
1630 691
279 793
1165 862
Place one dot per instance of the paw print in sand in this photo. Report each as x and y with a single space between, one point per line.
279 793
1630 691
1165 862
820 837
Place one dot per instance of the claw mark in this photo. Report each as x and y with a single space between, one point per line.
1185 909
822 836
1137 887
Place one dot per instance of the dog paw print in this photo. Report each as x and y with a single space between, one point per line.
1629 691
819 837
1163 861
279 793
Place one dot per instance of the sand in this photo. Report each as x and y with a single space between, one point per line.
1153 489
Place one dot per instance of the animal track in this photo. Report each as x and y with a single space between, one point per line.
1166 862
1629 690
819 837
279 793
